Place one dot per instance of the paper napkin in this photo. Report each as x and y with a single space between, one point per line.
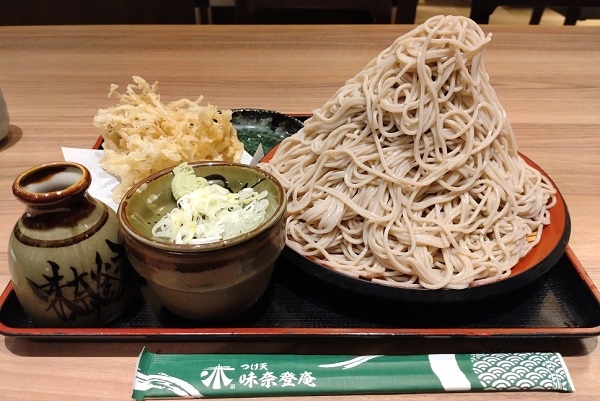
104 183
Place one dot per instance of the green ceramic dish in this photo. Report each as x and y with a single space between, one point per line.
265 127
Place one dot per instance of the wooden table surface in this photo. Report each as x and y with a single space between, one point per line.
55 78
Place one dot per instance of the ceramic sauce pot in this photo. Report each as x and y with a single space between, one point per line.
66 259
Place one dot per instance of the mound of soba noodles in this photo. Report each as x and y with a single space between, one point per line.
409 175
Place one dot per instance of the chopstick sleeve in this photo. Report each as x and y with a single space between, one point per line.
163 376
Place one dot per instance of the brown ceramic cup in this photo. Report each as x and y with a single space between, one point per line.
212 281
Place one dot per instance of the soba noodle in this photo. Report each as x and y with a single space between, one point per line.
409 175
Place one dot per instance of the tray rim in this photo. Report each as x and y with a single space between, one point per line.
239 333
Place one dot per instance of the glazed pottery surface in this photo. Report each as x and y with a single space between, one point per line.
212 281
265 127
67 261
4 119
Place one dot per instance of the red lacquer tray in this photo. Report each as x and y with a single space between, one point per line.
564 302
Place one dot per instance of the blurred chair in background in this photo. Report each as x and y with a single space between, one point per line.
201 11
313 11
482 9
572 14
405 11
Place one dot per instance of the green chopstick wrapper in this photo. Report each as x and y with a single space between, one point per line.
261 375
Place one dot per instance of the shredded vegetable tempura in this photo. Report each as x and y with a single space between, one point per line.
142 135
